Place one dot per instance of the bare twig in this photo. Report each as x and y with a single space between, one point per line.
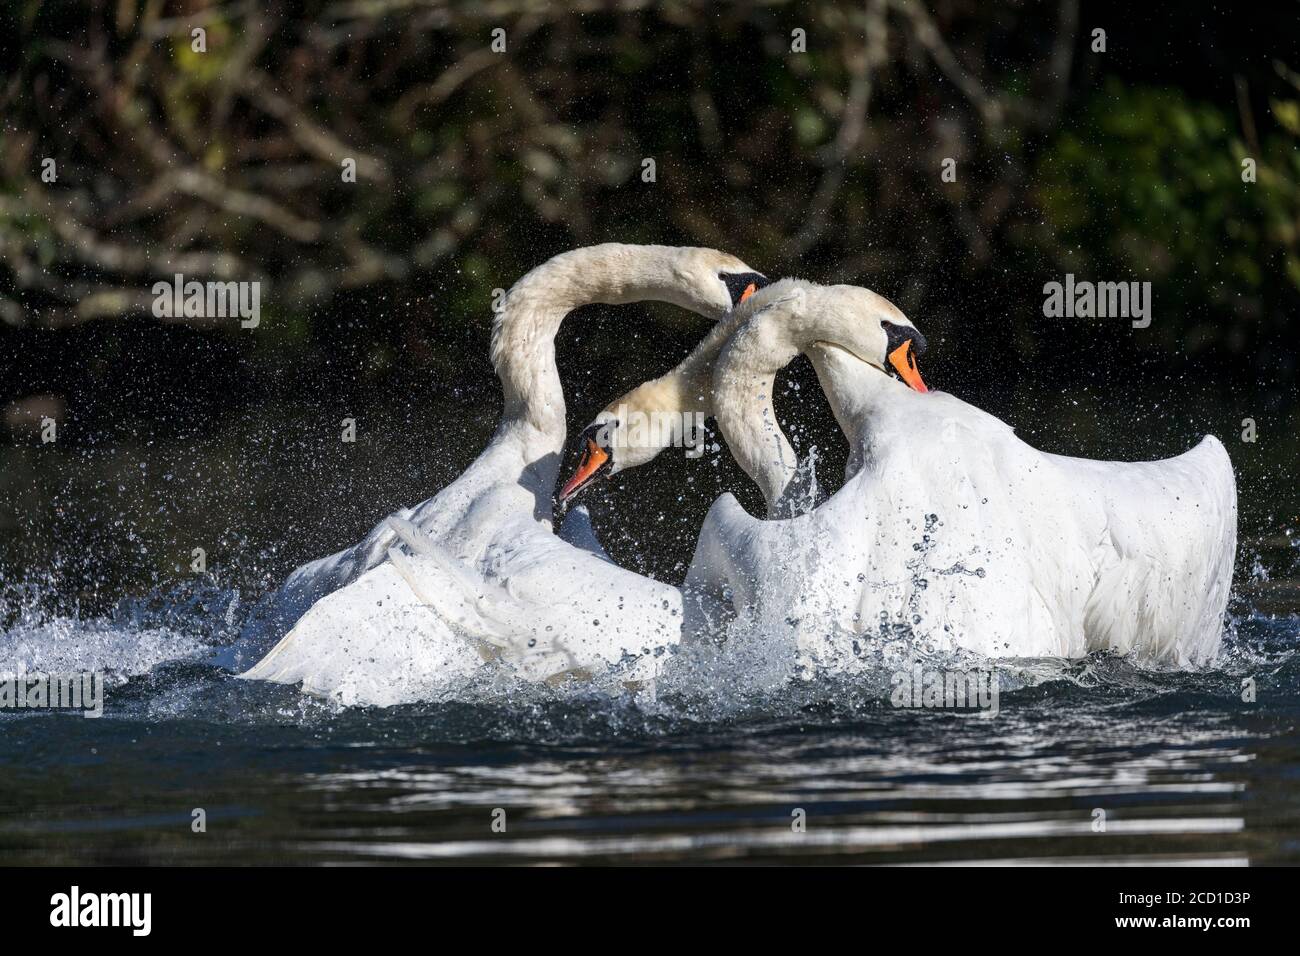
928 36
850 131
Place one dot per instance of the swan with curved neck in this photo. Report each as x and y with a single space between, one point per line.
705 281
491 527
799 317
948 527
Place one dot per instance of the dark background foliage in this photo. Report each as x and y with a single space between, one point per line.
1123 165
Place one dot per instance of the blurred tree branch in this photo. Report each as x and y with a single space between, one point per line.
474 164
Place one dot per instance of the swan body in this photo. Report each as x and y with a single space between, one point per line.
485 543
949 527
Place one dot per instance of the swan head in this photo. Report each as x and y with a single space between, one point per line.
632 430
710 282
793 316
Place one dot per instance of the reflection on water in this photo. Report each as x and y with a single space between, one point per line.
943 805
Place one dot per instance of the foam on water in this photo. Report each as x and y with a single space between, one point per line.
173 656
38 641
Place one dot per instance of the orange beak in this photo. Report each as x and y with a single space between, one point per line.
593 459
904 363
749 290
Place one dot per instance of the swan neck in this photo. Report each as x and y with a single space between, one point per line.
693 377
747 419
858 394
523 336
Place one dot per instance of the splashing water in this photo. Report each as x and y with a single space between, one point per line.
706 763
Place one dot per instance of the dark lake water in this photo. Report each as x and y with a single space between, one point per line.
94 562
1183 769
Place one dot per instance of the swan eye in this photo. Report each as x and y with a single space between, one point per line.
741 285
896 334
903 345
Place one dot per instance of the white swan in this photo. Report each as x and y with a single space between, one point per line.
948 525
480 558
